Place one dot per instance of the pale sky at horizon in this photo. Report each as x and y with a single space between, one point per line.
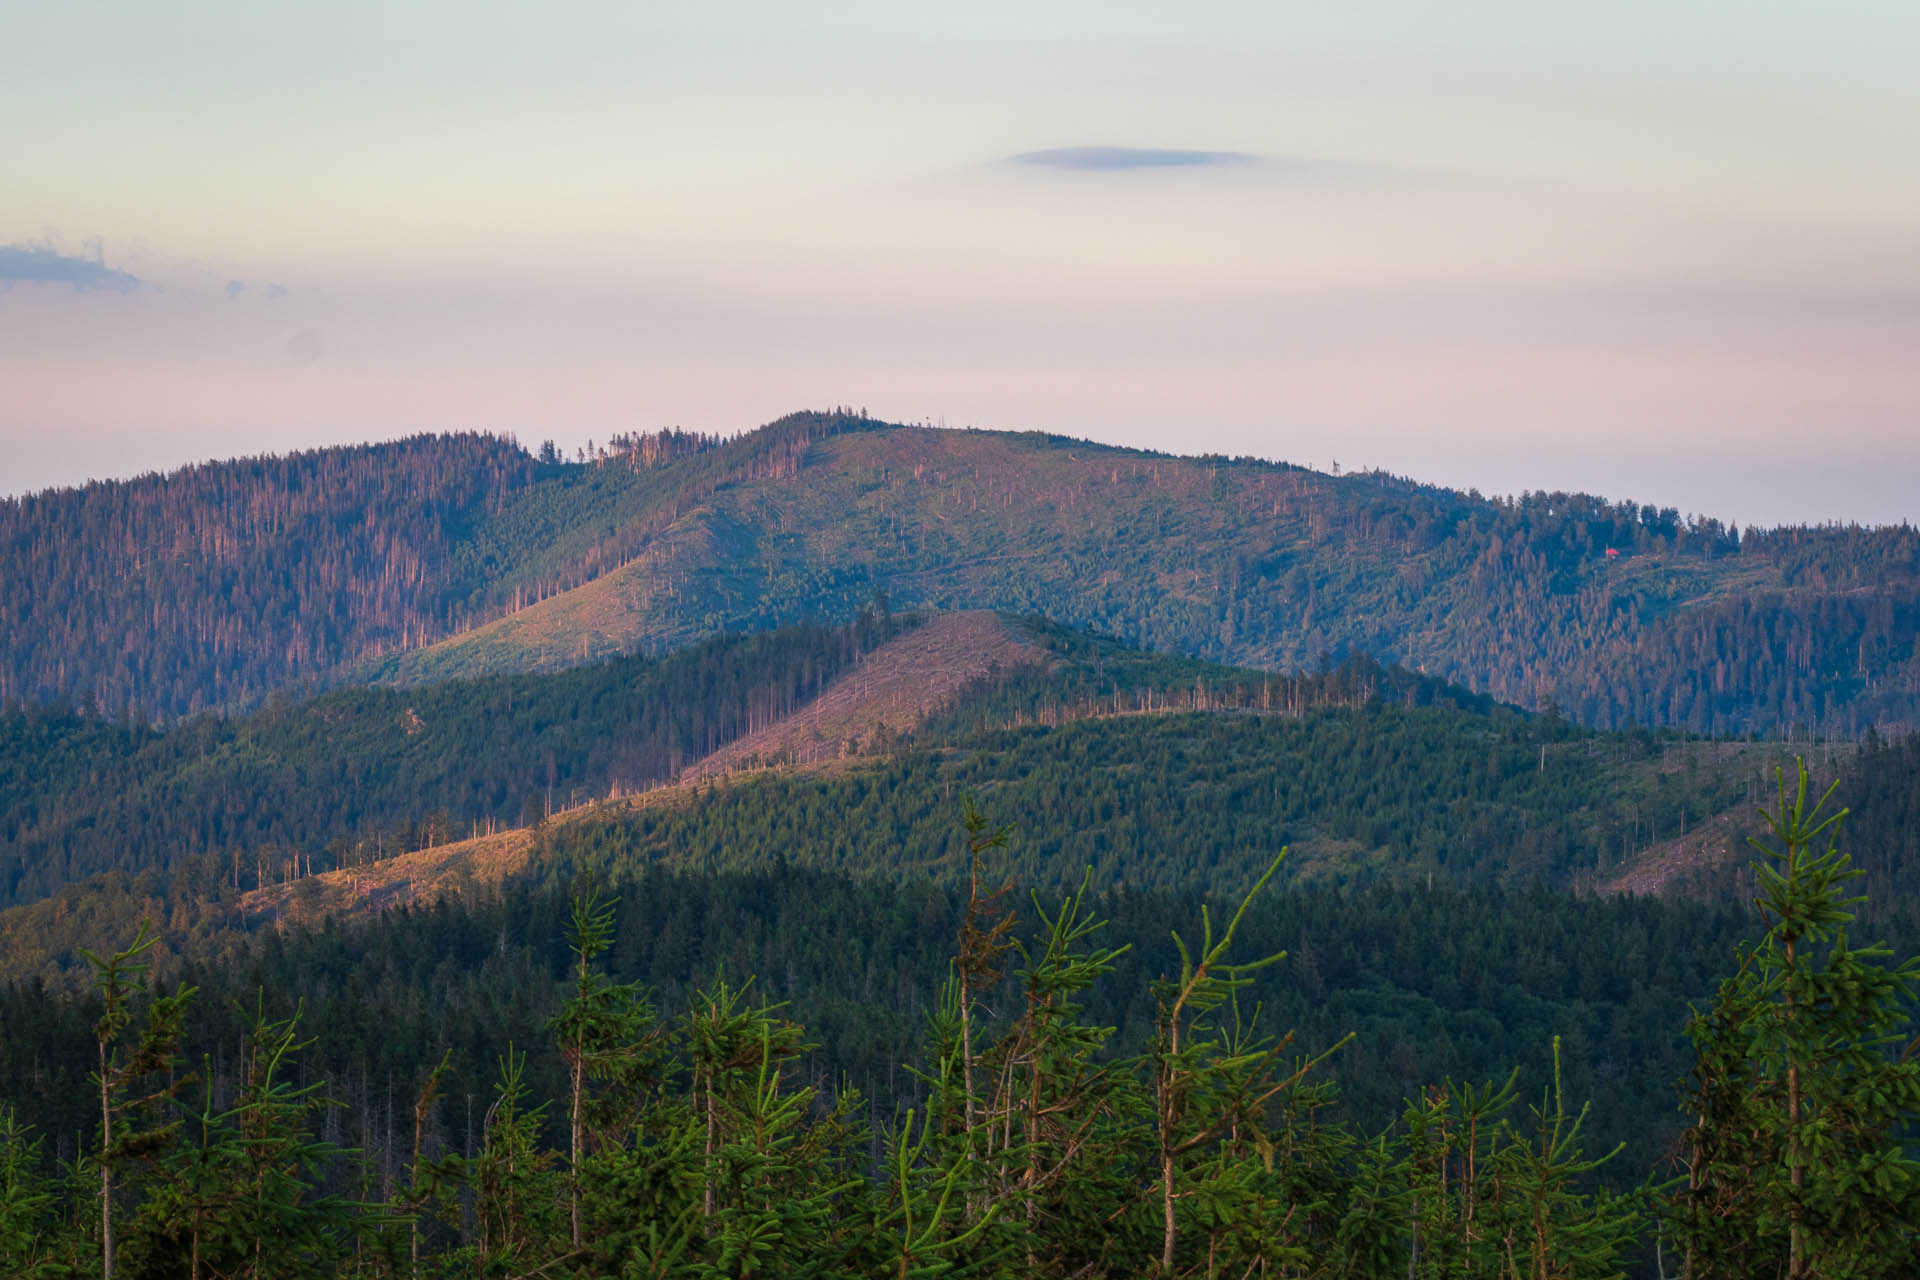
1666 251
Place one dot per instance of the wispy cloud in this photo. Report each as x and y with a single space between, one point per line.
236 287
1089 159
1297 170
35 263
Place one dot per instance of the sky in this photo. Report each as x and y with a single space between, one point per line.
1667 251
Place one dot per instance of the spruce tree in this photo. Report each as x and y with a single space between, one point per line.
606 1033
133 1124
1489 1197
243 1194
1805 1083
27 1203
1213 1079
518 1207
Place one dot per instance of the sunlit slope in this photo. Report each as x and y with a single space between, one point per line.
389 830
1169 798
1264 564
221 585
1151 770
638 606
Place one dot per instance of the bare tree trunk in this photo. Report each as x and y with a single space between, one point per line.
966 1051
1166 1196
1797 1169
421 1107
106 1171
579 1074
579 1089
713 1122
1168 1116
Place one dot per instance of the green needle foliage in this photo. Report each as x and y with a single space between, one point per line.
606 1033
135 1084
519 1200
243 1194
1208 1081
708 1142
28 1205
1488 1197
1806 1087
922 1218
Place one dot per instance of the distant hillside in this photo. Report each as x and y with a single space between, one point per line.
846 751
840 750
1621 614
415 562
888 695
218 584
358 774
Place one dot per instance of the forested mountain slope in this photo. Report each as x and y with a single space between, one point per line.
359 773
217 584
356 775
1152 772
1431 827
220 582
434 557
1622 614
1444 984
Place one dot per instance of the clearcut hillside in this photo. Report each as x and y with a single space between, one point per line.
1618 613
460 556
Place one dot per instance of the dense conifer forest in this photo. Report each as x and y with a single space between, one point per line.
464 555
790 1073
357 773
266 574
1152 771
242 577
441 859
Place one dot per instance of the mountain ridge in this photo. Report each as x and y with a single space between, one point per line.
1617 613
